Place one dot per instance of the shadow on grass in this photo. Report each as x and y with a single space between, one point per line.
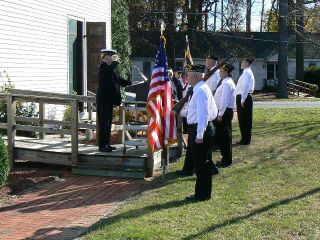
136 213
251 214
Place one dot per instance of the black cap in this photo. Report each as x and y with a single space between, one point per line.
248 59
179 70
211 56
195 68
227 67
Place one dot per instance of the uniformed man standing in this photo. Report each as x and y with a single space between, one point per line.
108 95
201 111
244 89
211 62
225 100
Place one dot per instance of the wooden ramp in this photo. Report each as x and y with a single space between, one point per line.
135 160
90 161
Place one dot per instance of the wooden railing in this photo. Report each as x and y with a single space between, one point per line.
12 126
296 87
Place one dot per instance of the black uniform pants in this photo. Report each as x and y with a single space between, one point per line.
104 112
245 118
202 155
188 165
224 136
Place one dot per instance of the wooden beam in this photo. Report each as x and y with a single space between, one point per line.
41 118
11 131
74 131
41 129
80 98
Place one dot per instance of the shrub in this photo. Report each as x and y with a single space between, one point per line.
4 163
25 110
312 75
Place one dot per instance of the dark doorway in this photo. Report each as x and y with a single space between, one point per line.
75 57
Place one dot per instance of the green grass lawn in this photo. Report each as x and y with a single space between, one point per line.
271 192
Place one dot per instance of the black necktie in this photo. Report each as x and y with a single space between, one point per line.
220 82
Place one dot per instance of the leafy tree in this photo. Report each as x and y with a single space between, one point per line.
121 35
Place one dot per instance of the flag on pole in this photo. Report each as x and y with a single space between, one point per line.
187 54
187 60
162 122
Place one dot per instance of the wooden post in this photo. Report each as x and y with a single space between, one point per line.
74 131
11 131
41 118
165 160
97 129
122 120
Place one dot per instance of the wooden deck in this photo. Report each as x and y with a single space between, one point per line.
90 161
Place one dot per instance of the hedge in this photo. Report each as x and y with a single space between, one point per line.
4 163
312 75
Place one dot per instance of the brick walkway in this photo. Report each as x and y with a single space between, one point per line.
64 209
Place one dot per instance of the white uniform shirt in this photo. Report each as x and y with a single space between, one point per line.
225 95
245 84
213 80
201 108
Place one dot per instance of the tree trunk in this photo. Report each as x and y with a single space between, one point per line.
299 40
221 15
215 17
248 16
283 49
262 13
170 29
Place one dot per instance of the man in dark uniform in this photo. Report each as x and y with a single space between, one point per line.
201 111
108 95
225 99
178 83
244 89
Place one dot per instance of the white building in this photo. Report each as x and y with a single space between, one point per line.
53 45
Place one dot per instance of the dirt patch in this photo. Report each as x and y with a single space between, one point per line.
26 175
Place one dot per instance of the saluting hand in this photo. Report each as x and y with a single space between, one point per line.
199 140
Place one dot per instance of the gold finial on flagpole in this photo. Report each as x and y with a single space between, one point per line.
162 27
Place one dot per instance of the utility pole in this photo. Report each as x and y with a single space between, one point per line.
299 40
283 49
248 16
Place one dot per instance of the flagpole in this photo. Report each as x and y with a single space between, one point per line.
165 151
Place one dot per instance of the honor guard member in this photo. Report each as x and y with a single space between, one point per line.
177 80
244 89
108 95
225 100
201 112
211 62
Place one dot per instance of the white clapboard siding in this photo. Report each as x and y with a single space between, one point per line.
34 41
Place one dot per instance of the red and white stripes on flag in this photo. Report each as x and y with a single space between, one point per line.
162 122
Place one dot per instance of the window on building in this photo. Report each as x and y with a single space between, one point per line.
272 70
147 69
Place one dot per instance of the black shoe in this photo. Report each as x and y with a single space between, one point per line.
185 173
112 148
193 198
105 149
222 164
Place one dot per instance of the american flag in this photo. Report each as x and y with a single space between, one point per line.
162 122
